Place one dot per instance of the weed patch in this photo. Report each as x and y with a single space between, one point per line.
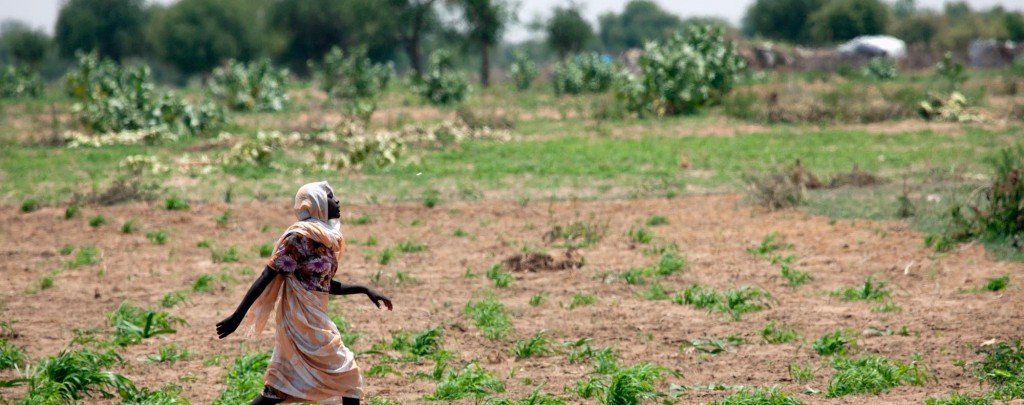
490 317
872 375
537 346
470 382
759 396
870 291
132 324
244 380
838 342
773 333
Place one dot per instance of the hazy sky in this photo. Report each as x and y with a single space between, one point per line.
43 13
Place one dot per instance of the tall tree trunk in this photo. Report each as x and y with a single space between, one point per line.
485 64
412 48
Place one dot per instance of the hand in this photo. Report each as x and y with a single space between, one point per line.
228 326
376 297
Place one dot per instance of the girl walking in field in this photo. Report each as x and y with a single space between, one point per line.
310 362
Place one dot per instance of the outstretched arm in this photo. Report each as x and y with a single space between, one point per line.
349 289
230 324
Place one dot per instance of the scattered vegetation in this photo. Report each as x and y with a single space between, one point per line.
97 221
228 255
255 86
471 381
872 375
794 277
442 85
11 356
538 298
759 396
501 279
580 299
522 71
169 353
175 204
244 380
734 302
157 237
583 73
173 298
1002 367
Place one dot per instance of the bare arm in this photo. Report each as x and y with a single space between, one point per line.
230 324
350 289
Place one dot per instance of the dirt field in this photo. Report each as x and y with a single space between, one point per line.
713 232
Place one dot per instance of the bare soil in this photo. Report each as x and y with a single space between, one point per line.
713 232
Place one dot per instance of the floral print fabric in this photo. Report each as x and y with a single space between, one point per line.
311 263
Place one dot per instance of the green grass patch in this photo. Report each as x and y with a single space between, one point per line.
471 381
229 255
837 342
869 291
158 237
98 220
490 317
11 356
580 299
74 375
802 373
640 235
128 226
265 250
71 211
29 205
173 298
410 246
537 346
773 333
794 277
385 256
132 324
420 345
759 396
657 220
86 256
655 292
502 279
244 380
733 302
872 375
538 298
993 284
203 284
771 243
169 353
176 204
1002 367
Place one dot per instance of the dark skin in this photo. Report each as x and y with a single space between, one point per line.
230 324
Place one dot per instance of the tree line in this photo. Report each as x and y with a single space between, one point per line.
194 36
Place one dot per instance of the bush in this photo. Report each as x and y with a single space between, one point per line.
523 70
583 73
354 79
881 69
255 86
19 83
692 69
996 213
442 85
112 98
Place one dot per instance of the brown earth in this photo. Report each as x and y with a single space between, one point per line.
714 232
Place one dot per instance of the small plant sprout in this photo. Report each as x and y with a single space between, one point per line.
580 299
773 333
169 353
872 375
838 342
640 235
71 211
203 284
870 291
538 298
410 246
769 244
537 346
794 278
265 250
501 278
133 324
802 373
655 292
128 226
657 220
759 396
490 317
175 204
173 298
158 237
385 256
97 221
228 255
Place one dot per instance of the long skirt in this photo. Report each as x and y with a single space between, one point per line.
310 362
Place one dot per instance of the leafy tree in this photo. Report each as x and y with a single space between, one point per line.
312 27
904 8
197 35
781 19
1014 25
114 28
840 20
416 19
485 22
640 21
921 27
567 30
26 45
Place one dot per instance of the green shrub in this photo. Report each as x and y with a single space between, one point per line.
71 211
245 379
522 71
794 277
112 98
881 69
490 317
690 70
228 255
580 299
255 86
176 204
872 375
265 250
132 324
759 396
29 205
97 221
422 344
204 283
538 298
1003 368
657 220
128 226
583 73
18 82
640 235
442 84
354 79
837 342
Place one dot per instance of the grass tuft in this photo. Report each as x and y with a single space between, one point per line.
501 279
773 333
536 346
490 317
170 353
759 396
870 291
132 324
838 342
158 237
245 379
581 299
470 382
872 375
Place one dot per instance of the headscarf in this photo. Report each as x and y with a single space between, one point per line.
311 211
